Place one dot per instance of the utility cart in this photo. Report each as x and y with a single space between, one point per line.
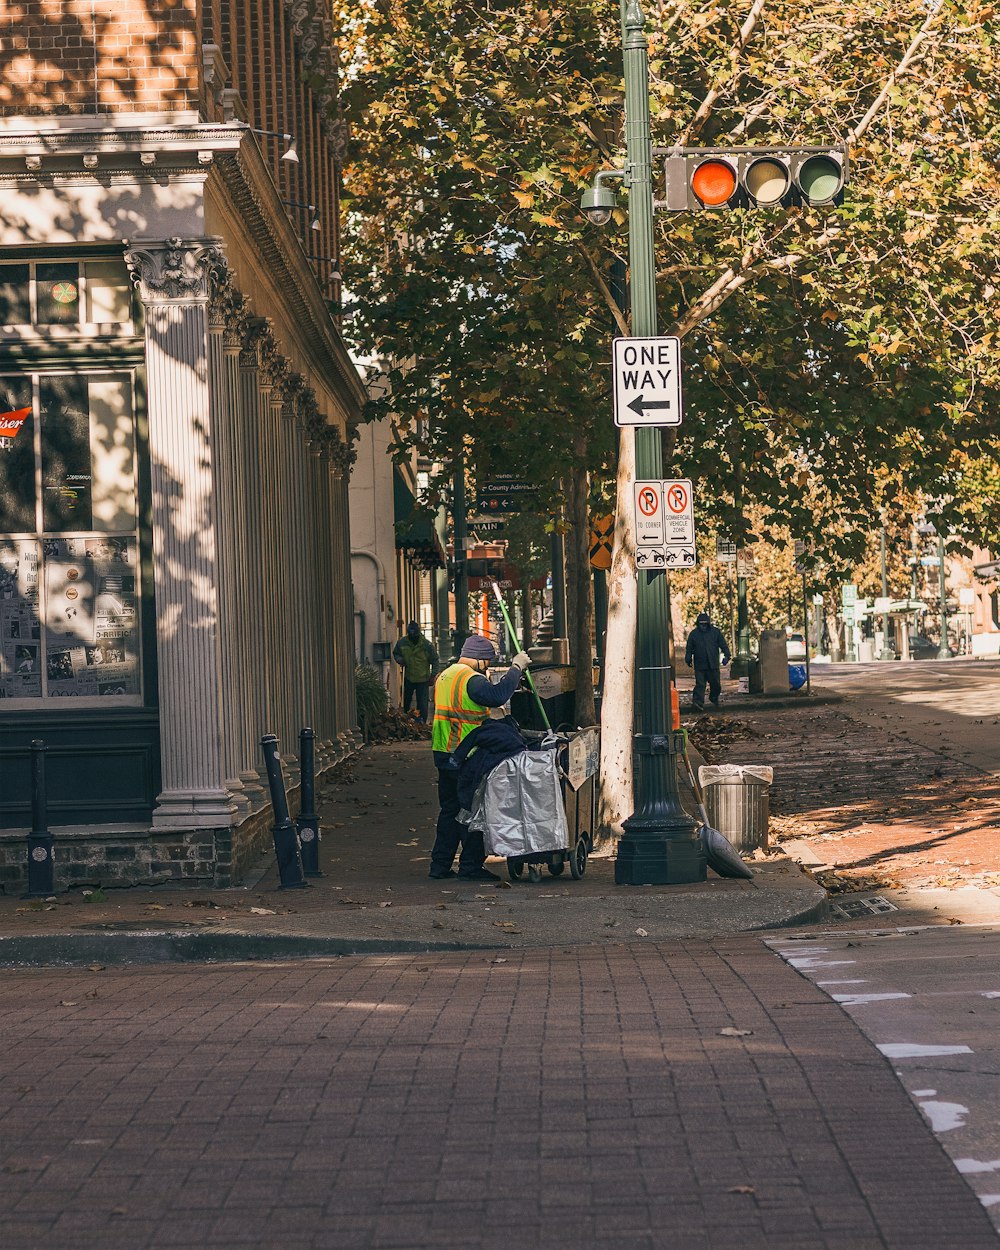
579 756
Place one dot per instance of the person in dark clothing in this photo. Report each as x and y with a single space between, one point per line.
486 747
704 645
418 660
462 702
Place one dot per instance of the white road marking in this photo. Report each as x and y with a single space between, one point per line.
914 1050
968 1167
945 1116
857 1000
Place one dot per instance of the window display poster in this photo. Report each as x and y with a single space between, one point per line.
20 642
91 616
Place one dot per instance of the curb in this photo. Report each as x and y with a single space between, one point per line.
145 945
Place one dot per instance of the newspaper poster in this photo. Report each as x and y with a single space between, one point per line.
91 617
20 640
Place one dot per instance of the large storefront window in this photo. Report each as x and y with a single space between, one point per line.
69 554
82 295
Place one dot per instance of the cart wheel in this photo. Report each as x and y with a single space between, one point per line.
534 873
515 869
578 859
556 867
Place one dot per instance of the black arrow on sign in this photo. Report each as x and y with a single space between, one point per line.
639 405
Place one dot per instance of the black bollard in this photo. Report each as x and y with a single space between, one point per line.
41 858
308 822
286 840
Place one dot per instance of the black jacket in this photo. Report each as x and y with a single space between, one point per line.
481 751
703 647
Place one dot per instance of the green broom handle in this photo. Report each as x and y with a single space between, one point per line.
510 630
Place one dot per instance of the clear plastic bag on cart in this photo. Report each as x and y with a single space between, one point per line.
519 806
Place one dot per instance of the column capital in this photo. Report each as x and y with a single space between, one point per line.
174 270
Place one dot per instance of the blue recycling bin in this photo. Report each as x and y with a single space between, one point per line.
796 676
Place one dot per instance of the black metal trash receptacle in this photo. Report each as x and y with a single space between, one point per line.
556 686
737 802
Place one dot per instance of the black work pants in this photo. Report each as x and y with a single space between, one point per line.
713 678
420 689
451 833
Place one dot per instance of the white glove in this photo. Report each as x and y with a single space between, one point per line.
522 660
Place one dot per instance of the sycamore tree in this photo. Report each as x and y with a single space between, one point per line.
822 349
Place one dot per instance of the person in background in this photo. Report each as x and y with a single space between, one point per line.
704 645
462 701
417 658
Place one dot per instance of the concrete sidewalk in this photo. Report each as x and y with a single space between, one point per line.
686 1096
378 825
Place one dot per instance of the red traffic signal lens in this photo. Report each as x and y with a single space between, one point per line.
714 183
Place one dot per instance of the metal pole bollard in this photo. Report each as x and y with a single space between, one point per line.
41 858
307 824
286 841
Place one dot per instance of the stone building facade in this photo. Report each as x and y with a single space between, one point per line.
177 412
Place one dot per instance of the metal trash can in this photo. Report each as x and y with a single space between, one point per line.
736 798
556 686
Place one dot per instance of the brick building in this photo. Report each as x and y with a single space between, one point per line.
176 412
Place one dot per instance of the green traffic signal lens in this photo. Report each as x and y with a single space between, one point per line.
767 181
820 179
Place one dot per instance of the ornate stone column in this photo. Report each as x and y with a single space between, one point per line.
227 528
172 280
244 554
255 389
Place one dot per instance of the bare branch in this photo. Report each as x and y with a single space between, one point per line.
603 287
694 127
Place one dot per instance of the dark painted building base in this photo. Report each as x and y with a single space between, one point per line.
127 856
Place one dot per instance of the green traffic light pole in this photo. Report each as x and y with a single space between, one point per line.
944 651
743 658
660 844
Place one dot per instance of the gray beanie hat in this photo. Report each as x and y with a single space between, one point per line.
478 648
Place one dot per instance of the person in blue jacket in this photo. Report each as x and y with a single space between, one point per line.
705 644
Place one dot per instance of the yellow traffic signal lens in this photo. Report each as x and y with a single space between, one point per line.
767 181
714 183
820 179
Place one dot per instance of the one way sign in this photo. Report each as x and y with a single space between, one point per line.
647 373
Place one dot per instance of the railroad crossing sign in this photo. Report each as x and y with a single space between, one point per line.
602 536
647 381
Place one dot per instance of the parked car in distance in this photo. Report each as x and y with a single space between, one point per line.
921 648
796 647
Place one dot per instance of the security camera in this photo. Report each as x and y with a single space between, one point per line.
599 203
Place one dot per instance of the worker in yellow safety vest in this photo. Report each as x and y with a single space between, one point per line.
463 697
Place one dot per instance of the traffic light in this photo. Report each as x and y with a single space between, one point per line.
718 178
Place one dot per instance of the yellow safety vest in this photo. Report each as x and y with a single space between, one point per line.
455 714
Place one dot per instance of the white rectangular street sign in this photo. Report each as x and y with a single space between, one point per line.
725 552
744 564
650 558
647 381
648 514
678 513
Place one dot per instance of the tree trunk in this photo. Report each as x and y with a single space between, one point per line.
616 702
582 594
